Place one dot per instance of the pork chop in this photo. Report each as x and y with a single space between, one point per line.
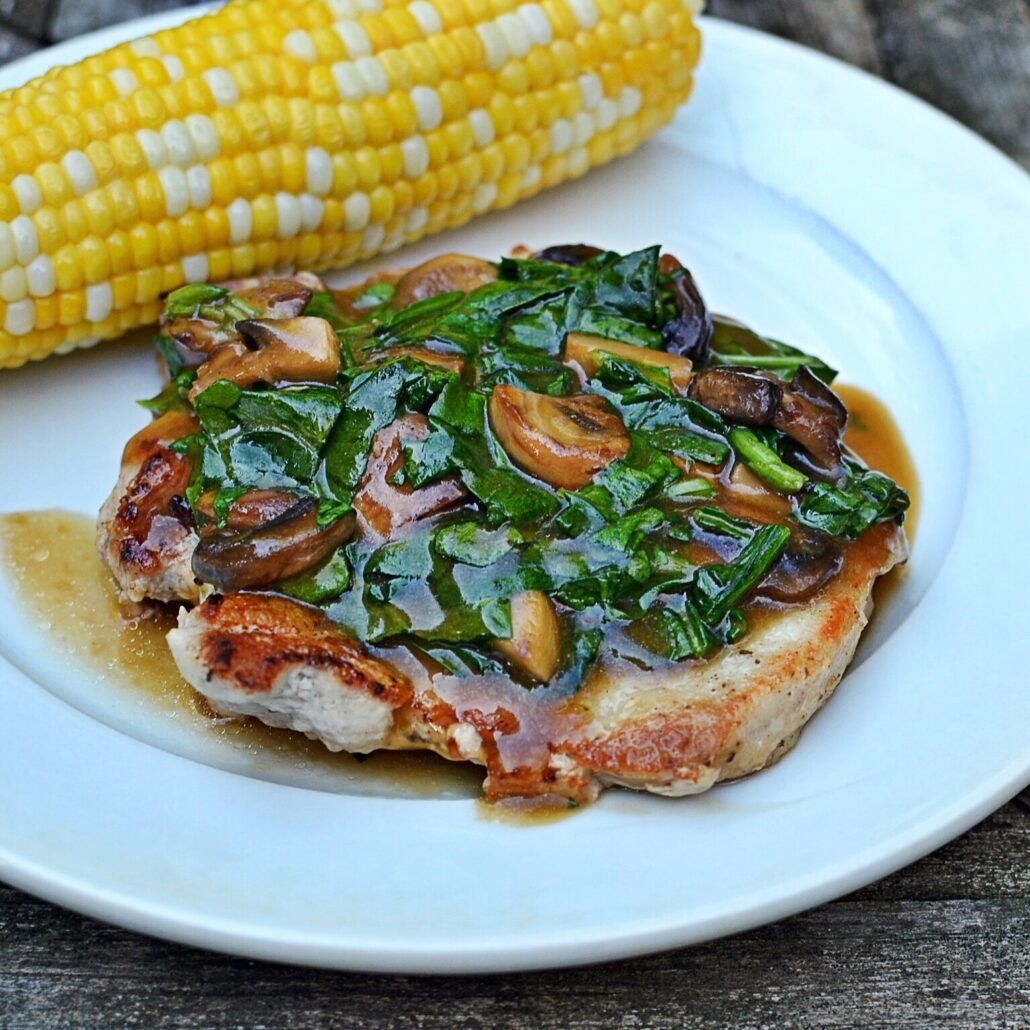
676 731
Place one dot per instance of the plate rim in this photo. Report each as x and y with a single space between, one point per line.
882 858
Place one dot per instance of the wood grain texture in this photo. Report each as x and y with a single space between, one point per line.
945 942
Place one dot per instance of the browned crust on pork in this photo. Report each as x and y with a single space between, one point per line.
250 639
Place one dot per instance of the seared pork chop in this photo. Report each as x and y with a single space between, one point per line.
674 731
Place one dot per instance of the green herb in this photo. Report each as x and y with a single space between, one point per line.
849 509
734 344
765 462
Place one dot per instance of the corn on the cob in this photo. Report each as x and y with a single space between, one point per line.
281 134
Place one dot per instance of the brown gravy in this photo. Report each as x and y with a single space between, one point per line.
51 559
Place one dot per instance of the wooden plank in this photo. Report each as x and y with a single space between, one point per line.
28 16
948 938
843 28
74 17
970 59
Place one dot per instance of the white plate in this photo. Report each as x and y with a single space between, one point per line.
823 207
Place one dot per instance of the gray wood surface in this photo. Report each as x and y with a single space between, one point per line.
944 942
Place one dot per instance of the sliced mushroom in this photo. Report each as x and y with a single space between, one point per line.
443 274
690 332
813 415
588 352
450 362
289 350
383 507
564 441
233 560
251 509
574 254
535 642
806 409
741 395
808 563
198 337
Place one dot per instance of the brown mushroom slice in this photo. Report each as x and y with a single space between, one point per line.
535 642
443 274
450 362
814 416
572 254
588 352
232 560
690 333
266 297
741 395
807 564
289 350
383 507
565 441
278 297
251 509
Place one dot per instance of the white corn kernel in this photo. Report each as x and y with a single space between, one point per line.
415 220
223 87
287 209
80 171
99 301
153 146
179 143
356 211
174 67
579 160
372 75
194 268
40 276
145 47
537 25
124 80
349 83
582 128
319 171
515 33
561 136
241 221
311 211
204 135
300 45
176 190
484 195
629 102
354 38
531 177
13 284
482 127
416 156
495 45
26 242
198 182
428 111
426 15
20 318
607 115
585 12
372 238
26 189
592 89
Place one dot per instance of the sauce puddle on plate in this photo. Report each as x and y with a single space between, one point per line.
66 593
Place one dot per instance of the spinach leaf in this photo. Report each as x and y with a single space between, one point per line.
849 509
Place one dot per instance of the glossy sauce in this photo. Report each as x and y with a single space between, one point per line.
51 559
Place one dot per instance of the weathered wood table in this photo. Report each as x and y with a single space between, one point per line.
944 941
